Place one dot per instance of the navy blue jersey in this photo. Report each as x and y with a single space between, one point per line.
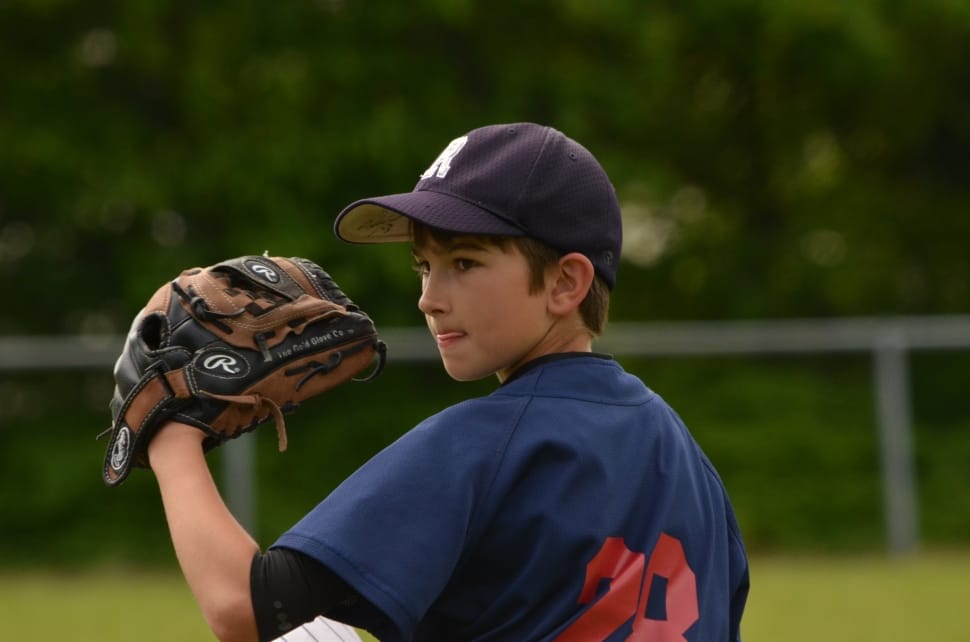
571 504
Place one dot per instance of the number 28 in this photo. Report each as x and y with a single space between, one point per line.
631 579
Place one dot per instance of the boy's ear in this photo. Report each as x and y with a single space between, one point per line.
573 276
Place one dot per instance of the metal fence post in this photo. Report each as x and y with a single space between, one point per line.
896 444
238 476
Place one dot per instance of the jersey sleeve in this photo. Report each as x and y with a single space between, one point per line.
396 529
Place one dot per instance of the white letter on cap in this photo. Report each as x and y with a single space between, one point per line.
442 164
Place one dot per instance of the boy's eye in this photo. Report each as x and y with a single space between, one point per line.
423 268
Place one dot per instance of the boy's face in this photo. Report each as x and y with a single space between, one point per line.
476 301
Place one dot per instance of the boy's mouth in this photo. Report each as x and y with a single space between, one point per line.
445 339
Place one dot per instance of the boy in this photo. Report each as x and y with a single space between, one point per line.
571 504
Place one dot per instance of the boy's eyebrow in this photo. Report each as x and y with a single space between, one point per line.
466 243
452 245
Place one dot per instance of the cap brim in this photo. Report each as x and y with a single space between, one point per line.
385 219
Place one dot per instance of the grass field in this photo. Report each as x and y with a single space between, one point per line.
793 599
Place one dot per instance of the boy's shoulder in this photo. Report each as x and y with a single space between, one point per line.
560 378
586 375
556 379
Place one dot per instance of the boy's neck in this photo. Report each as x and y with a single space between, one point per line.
548 358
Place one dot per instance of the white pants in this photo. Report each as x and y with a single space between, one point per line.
321 630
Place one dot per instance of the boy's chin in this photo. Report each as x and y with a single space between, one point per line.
458 372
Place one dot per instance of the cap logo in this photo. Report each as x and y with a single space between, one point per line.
442 164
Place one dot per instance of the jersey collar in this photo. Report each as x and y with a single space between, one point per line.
549 358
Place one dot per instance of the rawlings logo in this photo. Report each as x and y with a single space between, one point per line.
223 364
223 361
263 271
120 449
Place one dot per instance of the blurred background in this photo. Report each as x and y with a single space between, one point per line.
776 161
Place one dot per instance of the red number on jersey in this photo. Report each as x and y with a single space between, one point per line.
629 591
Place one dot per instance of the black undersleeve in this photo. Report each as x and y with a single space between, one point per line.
289 588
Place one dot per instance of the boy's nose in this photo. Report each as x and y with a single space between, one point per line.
431 302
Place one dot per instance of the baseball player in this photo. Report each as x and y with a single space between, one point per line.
570 504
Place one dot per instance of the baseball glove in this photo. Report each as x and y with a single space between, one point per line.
231 346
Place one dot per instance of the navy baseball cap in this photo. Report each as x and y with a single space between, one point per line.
517 179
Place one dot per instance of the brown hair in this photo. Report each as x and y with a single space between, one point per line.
594 309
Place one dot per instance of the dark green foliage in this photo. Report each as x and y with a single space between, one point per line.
774 159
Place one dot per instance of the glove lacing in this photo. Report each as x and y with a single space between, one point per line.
258 401
313 368
200 307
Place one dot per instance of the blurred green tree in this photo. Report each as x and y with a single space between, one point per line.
773 159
